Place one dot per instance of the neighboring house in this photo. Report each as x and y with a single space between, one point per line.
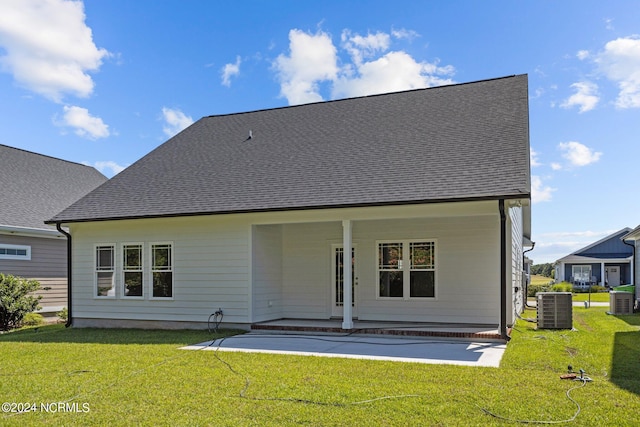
633 238
34 187
606 262
250 213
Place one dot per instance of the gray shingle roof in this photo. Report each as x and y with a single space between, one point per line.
458 142
34 187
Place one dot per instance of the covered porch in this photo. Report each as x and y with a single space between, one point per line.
301 282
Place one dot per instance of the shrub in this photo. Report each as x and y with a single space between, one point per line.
33 319
532 290
562 287
15 301
63 314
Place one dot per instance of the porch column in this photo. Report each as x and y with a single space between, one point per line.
347 320
603 273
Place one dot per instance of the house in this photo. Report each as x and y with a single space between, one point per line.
633 238
250 213
34 188
606 262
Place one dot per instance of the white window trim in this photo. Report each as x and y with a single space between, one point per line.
406 270
143 270
582 267
26 257
113 271
151 271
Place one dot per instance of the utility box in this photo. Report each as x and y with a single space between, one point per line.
620 302
555 310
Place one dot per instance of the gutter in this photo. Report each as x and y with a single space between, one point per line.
69 265
503 272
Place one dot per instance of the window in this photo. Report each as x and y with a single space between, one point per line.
19 252
390 269
411 278
132 270
105 286
422 270
581 273
161 270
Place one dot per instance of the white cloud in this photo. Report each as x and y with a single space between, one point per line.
534 159
585 97
404 34
540 192
583 54
230 70
85 125
175 121
360 47
48 47
620 63
393 72
578 154
556 166
312 59
109 168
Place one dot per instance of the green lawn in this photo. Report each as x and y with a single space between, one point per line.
133 377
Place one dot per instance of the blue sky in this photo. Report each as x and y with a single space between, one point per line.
105 82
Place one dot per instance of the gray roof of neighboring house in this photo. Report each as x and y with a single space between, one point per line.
609 247
35 187
633 234
459 142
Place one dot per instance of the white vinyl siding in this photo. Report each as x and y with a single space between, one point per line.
515 289
267 266
210 269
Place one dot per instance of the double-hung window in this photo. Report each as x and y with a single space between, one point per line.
407 269
132 271
105 266
161 270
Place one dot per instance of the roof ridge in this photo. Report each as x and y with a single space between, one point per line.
363 96
46 155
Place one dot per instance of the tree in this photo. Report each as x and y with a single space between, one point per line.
545 270
15 301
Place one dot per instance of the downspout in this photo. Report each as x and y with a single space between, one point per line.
526 285
503 272
69 317
633 261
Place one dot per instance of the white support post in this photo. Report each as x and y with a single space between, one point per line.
603 274
347 288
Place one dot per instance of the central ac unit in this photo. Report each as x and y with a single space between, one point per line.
555 310
620 302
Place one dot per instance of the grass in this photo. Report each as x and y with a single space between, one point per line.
136 377
595 297
540 280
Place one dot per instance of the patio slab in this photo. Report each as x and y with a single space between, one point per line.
397 349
